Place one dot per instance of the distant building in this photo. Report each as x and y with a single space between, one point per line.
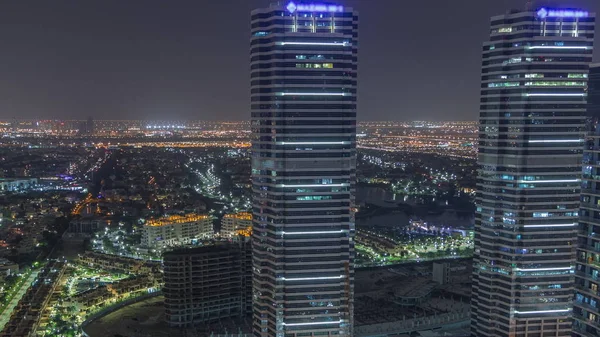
86 226
7 268
176 230
17 184
234 222
89 126
208 283
118 263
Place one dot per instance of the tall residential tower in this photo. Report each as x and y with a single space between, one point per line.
303 93
532 129
587 298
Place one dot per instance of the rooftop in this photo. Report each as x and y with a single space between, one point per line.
239 216
173 219
247 232
215 247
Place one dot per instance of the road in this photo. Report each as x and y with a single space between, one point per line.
5 315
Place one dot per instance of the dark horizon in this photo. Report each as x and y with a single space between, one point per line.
114 59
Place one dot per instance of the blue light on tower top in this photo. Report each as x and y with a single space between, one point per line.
561 13
292 7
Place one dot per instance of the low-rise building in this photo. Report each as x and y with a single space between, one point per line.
7 268
176 230
118 263
231 223
17 184
86 225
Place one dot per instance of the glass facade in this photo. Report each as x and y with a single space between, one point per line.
532 130
303 105
586 307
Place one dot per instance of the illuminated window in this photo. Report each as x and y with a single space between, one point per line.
534 75
313 197
503 84
555 84
578 75
314 65
505 30
512 60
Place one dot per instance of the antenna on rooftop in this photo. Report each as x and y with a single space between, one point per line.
529 5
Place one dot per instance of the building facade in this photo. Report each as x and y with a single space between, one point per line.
17 184
208 283
235 222
303 104
532 130
587 299
176 230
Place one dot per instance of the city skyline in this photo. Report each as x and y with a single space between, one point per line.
296 219
165 66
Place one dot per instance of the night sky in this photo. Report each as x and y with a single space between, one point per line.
183 59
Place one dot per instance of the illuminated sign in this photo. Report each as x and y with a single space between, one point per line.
561 13
292 7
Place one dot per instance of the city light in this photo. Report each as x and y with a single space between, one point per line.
544 269
312 94
556 141
554 94
557 47
313 233
549 181
313 278
313 323
342 44
541 311
551 225
312 143
314 185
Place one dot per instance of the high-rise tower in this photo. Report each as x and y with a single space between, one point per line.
303 93
586 309
532 130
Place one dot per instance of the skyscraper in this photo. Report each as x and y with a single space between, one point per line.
532 126
303 93
587 299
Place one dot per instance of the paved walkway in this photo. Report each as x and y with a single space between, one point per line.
5 315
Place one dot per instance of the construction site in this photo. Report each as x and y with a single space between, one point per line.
402 300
